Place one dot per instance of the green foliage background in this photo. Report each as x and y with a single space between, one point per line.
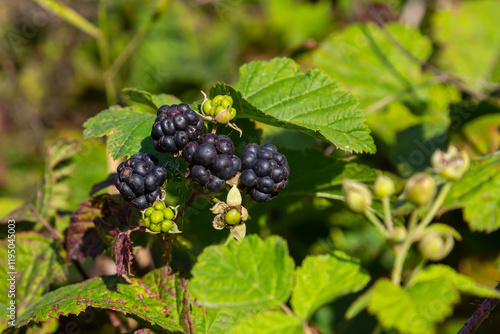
412 88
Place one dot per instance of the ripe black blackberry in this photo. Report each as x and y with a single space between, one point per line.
264 171
211 161
174 127
139 179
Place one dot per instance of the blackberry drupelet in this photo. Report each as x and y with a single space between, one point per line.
139 179
211 161
175 126
264 171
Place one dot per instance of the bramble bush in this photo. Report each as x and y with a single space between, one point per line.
215 200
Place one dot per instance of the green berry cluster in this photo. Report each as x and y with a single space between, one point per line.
159 218
218 104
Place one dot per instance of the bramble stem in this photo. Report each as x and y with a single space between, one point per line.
160 8
166 241
402 250
412 223
286 309
187 204
228 239
435 207
70 16
401 253
482 312
376 222
386 201
214 129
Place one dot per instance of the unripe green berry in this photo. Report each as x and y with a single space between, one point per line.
159 206
233 217
149 211
217 110
420 189
168 213
225 104
399 233
166 225
147 222
383 186
232 113
207 106
216 100
357 195
155 227
156 217
435 247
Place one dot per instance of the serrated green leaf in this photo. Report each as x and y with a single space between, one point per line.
371 65
126 128
239 276
429 300
151 100
458 281
279 94
324 278
478 193
470 44
53 193
269 322
214 321
37 266
152 299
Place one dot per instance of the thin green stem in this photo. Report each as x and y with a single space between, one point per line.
70 16
401 253
160 8
435 207
103 45
415 272
412 223
402 250
398 95
228 239
330 196
386 202
286 309
376 222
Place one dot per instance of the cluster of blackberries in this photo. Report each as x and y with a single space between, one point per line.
175 126
211 158
211 161
139 179
264 171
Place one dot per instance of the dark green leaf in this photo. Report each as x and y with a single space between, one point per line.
279 94
269 323
429 300
478 193
126 128
151 100
37 265
152 299
324 278
239 275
